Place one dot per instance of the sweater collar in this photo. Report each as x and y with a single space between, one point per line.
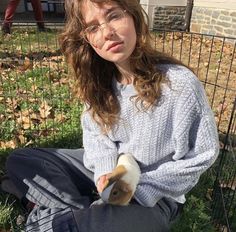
123 90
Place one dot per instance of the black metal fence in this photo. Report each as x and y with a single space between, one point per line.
213 58
37 106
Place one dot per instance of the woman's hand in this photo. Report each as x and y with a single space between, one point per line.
102 182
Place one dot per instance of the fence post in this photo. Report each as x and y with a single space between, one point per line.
188 15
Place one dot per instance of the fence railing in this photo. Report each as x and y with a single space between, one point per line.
37 107
213 58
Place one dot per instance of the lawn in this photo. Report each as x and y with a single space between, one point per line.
37 107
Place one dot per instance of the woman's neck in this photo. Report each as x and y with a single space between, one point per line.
126 75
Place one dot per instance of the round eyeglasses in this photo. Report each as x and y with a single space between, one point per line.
115 20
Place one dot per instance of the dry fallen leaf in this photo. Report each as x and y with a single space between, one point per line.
45 110
222 228
26 112
20 220
34 88
2 117
222 107
60 118
231 184
12 103
206 64
9 144
26 65
24 121
209 194
21 139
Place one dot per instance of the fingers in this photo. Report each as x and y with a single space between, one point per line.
102 183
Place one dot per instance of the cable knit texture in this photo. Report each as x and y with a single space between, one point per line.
174 143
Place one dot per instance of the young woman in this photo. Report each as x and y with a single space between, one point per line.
137 100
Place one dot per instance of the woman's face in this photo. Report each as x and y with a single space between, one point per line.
110 31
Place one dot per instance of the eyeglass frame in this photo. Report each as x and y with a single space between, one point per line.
99 26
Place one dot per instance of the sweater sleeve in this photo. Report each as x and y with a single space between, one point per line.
196 148
100 154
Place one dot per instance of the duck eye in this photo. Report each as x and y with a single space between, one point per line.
115 193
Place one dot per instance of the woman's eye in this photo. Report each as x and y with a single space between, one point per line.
92 29
114 16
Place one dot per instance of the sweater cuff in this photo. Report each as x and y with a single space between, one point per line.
104 166
146 194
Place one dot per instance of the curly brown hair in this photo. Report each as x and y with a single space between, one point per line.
94 75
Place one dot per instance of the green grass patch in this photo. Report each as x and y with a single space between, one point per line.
37 109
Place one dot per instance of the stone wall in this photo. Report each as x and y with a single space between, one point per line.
214 21
169 17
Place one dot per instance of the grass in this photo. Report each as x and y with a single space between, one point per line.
11 214
37 109
35 95
36 106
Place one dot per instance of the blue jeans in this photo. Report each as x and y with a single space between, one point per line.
63 190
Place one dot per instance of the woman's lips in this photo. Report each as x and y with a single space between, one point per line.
114 46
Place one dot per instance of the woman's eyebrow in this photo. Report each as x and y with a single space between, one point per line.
105 13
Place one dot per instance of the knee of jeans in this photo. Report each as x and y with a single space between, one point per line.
14 157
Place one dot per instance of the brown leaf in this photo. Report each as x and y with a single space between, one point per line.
222 228
12 103
231 184
20 220
26 112
209 194
21 139
35 117
45 110
34 88
206 64
60 118
2 117
9 144
64 80
24 121
26 65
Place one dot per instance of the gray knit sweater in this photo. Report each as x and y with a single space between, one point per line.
174 143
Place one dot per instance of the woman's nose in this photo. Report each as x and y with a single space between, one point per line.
108 31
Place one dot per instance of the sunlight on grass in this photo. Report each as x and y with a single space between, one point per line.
9 212
37 107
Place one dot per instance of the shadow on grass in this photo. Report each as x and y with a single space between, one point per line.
196 216
33 55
